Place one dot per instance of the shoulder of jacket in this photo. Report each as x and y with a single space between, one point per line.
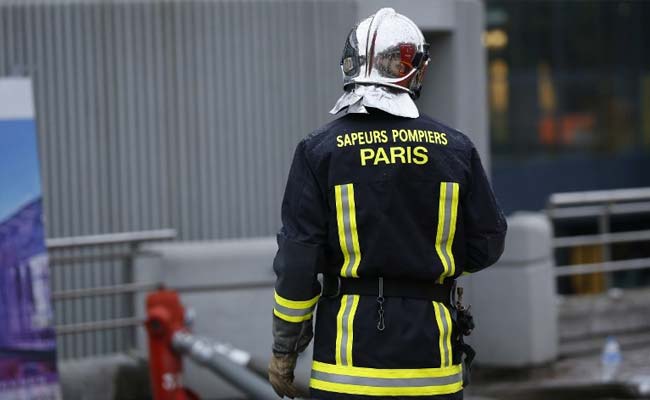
461 138
318 137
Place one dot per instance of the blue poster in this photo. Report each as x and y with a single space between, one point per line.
27 337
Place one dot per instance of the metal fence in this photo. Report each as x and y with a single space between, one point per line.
601 207
602 241
92 318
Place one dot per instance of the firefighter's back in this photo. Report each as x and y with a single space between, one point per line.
393 187
390 206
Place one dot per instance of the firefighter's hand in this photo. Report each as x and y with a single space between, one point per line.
281 374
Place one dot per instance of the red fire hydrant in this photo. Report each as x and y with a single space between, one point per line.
165 317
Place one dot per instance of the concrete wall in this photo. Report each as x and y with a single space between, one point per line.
514 301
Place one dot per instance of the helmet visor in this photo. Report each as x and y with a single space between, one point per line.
401 60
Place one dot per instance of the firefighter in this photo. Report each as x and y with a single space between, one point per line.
390 206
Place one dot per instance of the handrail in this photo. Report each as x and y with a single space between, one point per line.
110 239
602 238
131 288
599 196
149 286
608 266
127 288
93 326
595 211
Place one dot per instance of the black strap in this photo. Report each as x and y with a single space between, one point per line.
418 289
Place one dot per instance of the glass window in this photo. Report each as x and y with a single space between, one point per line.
568 78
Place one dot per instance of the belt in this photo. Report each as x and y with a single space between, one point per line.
334 286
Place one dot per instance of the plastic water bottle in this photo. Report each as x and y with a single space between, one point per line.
610 359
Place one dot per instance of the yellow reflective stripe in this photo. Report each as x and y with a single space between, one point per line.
443 320
353 228
394 373
441 228
447 219
346 216
452 228
295 304
291 318
355 303
339 329
386 390
345 329
341 225
441 330
448 334
387 382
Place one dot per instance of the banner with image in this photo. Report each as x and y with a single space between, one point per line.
27 337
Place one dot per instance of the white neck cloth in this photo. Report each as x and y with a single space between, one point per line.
393 102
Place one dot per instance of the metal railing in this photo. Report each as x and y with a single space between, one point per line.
601 206
149 286
95 303
132 289
93 290
588 260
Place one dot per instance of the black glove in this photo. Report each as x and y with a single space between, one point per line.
291 337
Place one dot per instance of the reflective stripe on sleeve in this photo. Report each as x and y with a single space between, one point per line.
346 219
294 310
447 218
386 382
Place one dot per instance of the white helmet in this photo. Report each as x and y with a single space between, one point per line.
385 49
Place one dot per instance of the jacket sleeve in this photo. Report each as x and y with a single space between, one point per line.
485 224
300 251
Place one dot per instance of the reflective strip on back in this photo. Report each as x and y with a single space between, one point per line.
443 321
347 229
387 382
345 328
447 218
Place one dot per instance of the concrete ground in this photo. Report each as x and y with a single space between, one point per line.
575 378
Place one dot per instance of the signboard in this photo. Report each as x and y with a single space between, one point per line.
27 338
